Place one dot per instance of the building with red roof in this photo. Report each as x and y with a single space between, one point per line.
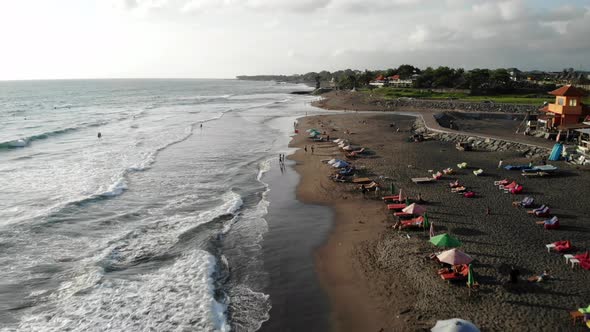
568 110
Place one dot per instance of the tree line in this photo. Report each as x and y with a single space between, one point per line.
477 80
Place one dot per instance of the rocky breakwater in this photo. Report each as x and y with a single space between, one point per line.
480 142
453 105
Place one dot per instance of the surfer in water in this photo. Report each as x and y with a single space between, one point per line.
99 135
201 126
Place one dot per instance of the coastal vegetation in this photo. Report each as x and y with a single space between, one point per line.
417 93
479 84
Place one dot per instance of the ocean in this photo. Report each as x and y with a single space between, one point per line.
156 225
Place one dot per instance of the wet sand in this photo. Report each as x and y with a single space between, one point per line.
377 278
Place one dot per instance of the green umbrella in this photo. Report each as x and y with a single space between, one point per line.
426 224
445 240
470 278
392 187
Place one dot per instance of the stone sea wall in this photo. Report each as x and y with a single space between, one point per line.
451 105
482 143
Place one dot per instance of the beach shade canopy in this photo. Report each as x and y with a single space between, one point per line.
445 240
454 325
470 277
414 209
454 257
340 164
333 161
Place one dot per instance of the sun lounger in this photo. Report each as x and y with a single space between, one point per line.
542 168
392 198
508 186
437 175
415 222
422 180
532 174
516 167
462 165
361 180
454 184
454 276
552 223
501 182
525 202
584 256
469 194
459 190
396 207
448 171
478 172
362 150
544 212
516 190
560 246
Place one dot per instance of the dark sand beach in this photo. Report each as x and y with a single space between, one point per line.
378 279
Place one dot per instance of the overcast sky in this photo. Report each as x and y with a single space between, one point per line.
225 38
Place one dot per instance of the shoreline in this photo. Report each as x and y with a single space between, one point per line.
367 288
351 296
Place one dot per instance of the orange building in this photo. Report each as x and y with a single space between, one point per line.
568 110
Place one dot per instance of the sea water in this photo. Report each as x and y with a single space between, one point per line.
156 225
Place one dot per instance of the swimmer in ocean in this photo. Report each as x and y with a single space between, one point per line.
99 135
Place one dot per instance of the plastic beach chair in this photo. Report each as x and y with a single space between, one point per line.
462 165
478 172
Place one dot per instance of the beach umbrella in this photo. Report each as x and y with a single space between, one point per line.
311 129
454 257
414 209
470 278
431 230
454 325
392 188
400 194
332 161
445 240
426 224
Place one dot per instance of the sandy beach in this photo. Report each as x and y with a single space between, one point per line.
379 279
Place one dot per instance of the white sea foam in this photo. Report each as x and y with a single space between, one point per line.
173 298
163 232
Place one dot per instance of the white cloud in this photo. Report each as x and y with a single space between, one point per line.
229 37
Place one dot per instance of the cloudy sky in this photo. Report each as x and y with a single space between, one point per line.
224 38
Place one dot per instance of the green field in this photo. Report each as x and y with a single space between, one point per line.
394 93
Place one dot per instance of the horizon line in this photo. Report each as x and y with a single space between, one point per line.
116 78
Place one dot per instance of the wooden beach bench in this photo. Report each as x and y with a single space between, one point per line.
422 180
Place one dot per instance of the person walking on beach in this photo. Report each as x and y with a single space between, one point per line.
305 149
500 163
363 190
312 148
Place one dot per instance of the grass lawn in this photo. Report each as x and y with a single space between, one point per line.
394 93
